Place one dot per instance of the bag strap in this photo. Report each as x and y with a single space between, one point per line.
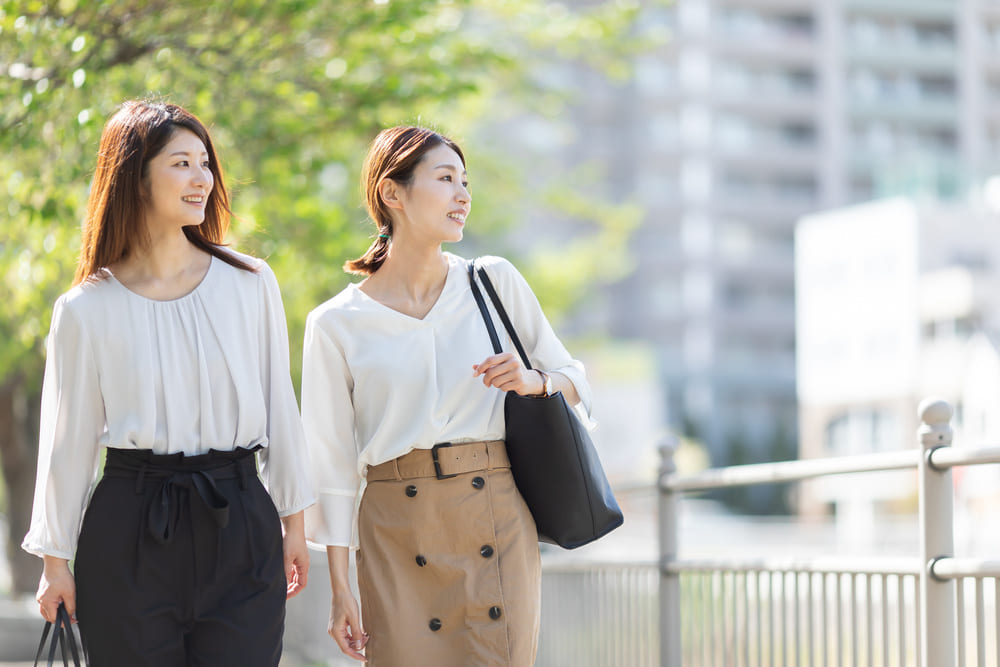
483 310
41 644
70 638
501 311
62 637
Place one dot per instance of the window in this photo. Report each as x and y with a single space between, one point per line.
862 431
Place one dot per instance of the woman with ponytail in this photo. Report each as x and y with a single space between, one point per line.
402 402
170 356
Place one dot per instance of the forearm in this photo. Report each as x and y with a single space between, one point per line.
339 560
294 524
562 383
54 564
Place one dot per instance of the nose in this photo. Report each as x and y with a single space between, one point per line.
203 178
463 196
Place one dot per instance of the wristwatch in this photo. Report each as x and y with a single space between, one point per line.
546 384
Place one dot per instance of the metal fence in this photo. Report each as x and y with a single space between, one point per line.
599 615
826 612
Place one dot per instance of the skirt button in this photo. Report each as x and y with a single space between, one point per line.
486 551
421 561
435 623
411 491
478 482
495 613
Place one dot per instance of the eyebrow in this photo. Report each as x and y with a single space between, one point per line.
449 167
187 153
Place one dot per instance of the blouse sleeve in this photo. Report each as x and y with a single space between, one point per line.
543 347
284 462
328 417
72 421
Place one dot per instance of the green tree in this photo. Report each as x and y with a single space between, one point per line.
293 90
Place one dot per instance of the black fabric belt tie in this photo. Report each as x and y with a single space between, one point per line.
185 483
161 519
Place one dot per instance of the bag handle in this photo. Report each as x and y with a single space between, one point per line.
62 636
494 339
501 311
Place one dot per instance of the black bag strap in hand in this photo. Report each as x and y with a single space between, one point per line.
62 636
501 311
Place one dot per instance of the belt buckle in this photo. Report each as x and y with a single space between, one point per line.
437 463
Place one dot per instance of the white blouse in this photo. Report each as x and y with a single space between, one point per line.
377 383
209 370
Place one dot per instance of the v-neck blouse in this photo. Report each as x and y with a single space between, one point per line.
377 383
208 370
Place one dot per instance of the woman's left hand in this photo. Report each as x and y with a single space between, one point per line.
504 371
296 554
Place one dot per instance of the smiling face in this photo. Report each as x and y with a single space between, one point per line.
178 182
434 205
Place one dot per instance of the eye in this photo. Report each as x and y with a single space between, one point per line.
446 178
182 163
465 184
205 164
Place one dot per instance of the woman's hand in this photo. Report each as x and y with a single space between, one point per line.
56 585
296 554
345 624
504 371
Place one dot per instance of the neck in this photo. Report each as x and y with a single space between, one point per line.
166 256
414 270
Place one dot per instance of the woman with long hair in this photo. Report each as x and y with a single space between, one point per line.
170 355
402 402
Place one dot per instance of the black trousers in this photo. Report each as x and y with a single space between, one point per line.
179 564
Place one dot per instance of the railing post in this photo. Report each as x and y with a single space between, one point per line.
937 599
670 585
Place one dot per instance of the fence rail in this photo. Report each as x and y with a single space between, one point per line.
598 615
899 612
930 610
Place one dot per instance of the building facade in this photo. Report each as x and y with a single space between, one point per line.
897 301
750 115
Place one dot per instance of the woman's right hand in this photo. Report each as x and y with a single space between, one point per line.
345 624
56 585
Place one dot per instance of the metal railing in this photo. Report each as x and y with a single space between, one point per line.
599 615
871 613
931 610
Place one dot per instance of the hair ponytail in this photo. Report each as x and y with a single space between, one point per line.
370 262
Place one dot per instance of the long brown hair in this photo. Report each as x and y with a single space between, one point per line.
394 154
114 224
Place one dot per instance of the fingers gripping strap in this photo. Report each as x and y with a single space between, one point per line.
62 637
502 312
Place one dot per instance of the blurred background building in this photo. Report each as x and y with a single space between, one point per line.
897 300
751 115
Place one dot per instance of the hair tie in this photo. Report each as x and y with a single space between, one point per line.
383 236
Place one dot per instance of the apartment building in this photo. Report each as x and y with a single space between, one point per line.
897 302
754 113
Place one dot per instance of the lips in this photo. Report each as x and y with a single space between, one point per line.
194 199
458 216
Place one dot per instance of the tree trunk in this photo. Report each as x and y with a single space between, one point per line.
19 416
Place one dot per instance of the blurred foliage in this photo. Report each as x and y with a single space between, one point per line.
293 91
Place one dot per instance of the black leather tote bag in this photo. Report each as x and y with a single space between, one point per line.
552 457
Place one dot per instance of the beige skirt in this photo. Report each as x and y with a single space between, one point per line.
448 566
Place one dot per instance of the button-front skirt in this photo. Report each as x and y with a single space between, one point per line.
448 569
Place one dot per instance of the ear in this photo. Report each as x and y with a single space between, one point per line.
389 191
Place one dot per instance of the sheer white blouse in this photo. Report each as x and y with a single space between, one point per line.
377 383
209 370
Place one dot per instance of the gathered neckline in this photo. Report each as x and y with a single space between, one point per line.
188 295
